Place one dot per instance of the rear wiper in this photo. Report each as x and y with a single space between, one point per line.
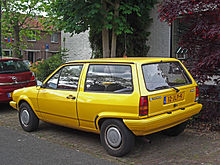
177 90
165 87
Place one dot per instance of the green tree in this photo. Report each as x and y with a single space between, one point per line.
17 18
106 17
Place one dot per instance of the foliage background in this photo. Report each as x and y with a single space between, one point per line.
134 43
44 68
130 25
202 41
17 16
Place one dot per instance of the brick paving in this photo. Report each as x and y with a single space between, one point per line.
191 147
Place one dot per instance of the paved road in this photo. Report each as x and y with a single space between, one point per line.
20 149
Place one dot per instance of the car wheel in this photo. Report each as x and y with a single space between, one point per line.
28 120
176 130
116 138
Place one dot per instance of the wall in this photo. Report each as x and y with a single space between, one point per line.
37 47
160 37
78 46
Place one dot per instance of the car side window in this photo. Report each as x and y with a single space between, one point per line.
66 79
109 78
52 83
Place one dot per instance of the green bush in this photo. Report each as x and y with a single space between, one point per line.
46 67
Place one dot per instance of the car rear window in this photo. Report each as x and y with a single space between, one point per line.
164 75
109 78
13 66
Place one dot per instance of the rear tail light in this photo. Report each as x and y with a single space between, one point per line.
143 106
33 77
197 94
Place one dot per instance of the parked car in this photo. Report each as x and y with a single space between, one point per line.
14 74
118 98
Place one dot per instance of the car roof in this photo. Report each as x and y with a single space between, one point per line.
130 60
9 58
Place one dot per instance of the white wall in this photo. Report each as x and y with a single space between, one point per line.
159 39
78 46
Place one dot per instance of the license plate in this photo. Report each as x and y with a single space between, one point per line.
9 95
173 98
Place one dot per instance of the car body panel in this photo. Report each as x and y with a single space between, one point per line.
163 121
58 106
92 104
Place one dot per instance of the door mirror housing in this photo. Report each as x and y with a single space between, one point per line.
39 83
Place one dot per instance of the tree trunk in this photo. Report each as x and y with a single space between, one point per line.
114 42
105 35
16 49
105 43
114 36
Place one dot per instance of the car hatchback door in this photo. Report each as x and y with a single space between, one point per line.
57 98
169 87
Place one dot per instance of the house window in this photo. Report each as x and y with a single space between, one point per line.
54 38
32 36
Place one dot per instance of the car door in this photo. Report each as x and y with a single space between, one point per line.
57 100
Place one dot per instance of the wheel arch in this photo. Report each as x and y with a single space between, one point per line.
101 120
25 99
101 117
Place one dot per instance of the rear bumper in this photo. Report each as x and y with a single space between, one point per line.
4 97
157 123
9 89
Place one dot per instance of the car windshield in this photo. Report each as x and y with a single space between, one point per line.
164 75
13 66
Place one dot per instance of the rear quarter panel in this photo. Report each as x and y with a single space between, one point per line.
93 106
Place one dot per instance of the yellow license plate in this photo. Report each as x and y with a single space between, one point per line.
9 95
174 98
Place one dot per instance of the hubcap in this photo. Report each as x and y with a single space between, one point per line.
113 137
25 117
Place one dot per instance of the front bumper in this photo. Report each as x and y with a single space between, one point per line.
13 104
157 123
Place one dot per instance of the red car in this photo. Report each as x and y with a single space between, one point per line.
14 74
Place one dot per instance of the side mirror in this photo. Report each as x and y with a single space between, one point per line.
39 83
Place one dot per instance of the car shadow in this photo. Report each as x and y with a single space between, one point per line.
88 141
5 108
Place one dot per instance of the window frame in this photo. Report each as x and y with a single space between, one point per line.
60 70
108 92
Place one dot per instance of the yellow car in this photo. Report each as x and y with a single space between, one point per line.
119 98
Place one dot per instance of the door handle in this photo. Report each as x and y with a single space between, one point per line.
71 97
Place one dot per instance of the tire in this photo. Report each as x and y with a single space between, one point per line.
27 118
176 130
116 138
